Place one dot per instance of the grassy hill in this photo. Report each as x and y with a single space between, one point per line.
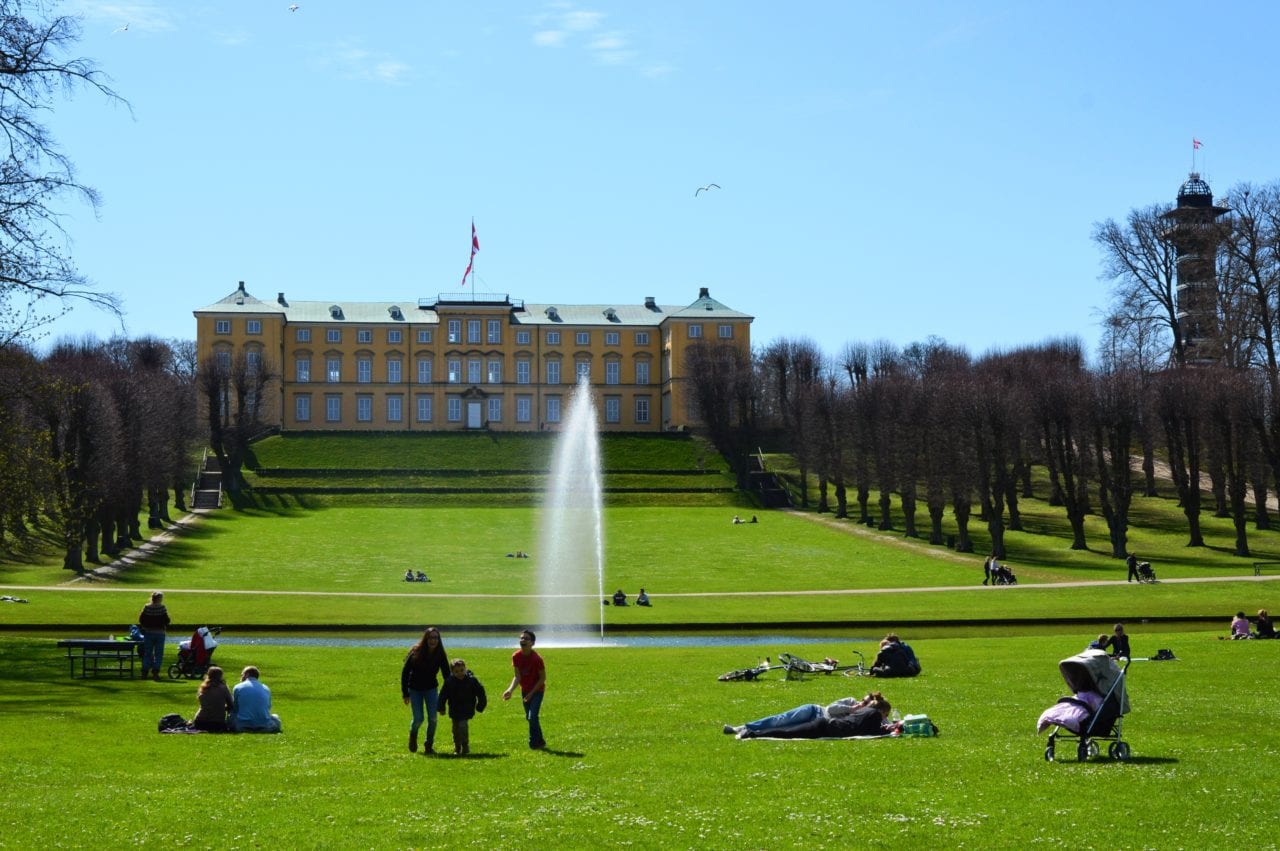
488 468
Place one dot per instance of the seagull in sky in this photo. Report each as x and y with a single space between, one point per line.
293 7
706 188
123 29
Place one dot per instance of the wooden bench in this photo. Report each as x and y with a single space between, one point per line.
95 657
1259 566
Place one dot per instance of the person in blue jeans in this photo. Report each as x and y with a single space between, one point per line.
154 620
419 686
847 716
531 676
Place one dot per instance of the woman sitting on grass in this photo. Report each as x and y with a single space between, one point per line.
846 717
1265 629
1240 627
215 702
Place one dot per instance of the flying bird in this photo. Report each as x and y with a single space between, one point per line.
706 188
123 29
293 7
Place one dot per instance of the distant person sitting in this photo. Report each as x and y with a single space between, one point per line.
252 705
1099 643
1240 627
619 598
408 576
643 599
422 577
1265 628
895 659
753 519
1119 643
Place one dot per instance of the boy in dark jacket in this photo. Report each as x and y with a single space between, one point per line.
462 697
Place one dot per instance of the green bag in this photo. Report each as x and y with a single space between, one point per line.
918 725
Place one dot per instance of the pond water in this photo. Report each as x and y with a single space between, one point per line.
452 640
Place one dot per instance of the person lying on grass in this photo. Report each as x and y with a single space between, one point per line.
846 717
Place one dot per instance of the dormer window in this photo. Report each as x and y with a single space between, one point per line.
395 312
335 312
553 314
611 314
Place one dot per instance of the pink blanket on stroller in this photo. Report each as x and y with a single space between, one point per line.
1070 715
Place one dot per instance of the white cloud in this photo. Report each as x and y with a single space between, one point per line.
562 25
580 21
355 62
141 17
550 38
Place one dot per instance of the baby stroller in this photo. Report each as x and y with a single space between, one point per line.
194 654
1145 573
1094 671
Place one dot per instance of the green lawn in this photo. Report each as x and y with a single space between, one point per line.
637 758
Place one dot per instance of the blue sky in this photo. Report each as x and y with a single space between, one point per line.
886 170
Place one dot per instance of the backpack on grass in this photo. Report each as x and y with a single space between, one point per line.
919 725
172 721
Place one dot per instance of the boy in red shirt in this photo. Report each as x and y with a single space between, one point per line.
531 675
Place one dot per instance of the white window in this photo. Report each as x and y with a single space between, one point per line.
495 331
522 372
553 338
642 372
455 330
424 336
424 409
611 338
364 409
612 409
642 409
222 326
553 372
495 372
553 409
455 371
695 331
424 370
333 370
473 330
393 409
474 365
454 412
333 409
253 326
302 335
393 335
364 370
523 338
642 338
302 409
302 370
583 370
582 338
333 335
364 335
612 372
223 359
726 332
495 409
393 371
524 409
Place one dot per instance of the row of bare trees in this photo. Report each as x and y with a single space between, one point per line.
89 433
939 430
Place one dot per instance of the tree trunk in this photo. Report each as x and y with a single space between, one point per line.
842 499
823 507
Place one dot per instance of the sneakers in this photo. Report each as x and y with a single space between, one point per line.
429 750
730 730
538 746
413 741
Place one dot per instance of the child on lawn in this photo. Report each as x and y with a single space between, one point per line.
462 696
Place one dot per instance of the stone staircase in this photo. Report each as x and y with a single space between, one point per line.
207 491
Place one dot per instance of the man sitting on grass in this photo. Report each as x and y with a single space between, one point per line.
252 699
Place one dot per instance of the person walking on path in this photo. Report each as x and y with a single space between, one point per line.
1132 563
462 697
154 620
531 676
419 687
986 570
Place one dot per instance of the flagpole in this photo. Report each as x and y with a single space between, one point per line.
473 258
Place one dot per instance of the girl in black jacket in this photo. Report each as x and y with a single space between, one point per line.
418 684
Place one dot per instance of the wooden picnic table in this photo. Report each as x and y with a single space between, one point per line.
95 657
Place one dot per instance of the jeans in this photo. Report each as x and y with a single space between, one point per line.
532 705
152 651
417 699
801 716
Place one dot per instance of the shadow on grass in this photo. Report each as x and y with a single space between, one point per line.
472 755
554 752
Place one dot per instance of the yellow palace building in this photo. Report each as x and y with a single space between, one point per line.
465 361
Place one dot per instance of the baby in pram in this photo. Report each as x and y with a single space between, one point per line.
1071 713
